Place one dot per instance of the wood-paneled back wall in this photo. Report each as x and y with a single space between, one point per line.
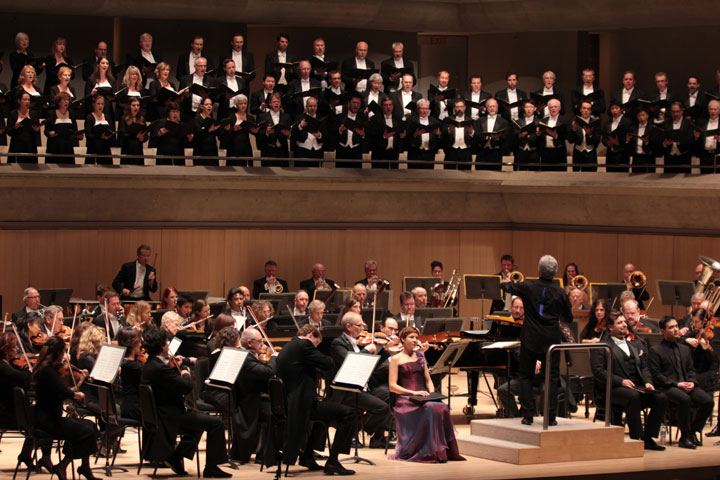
218 259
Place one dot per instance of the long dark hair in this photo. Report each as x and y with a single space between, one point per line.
53 349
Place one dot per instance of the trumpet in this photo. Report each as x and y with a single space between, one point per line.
637 280
516 277
579 281
275 287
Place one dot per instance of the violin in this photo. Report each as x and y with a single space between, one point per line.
601 326
66 369
141 357
367 338
265 354
24 362
39 339
640 328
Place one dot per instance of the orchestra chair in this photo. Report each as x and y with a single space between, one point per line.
391 426
278 420
109 413
151 424
37 437
201 373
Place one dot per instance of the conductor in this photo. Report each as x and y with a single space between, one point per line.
545 305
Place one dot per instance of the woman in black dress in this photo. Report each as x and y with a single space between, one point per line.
205 132
130 372
80 435
23 126
61 131
21 57
169 136
131 139
599 314
64 76
131 88
27 82
102 82
235 137
54 62
159 102
99 132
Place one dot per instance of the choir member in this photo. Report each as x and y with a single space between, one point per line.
303 83
393 68
23 127
27 81
351 140
525 141
628 95
234 85
99 132
186 61
678 141
199 77
102 82
641 142
585 136
273 138
61 131
64 75
244 61
552 139
614 137
131 88
707 144
274 63
440 107
306 139
373 95
458 142
158 106
588 91
353 82
144 59
204 134
88 65
132 132
260 100
694 101
511 98
423 137
235 137
476 95
386 135
493 138
662 93
22 57
168 135
57 59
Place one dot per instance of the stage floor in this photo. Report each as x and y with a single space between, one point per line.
703 463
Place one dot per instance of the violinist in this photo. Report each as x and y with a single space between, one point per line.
75 340
31 332
131 372
406 317
89 346
635 321
420 295
352 305
170 384
31 299
222 321
171 323
696 302
80 435
53 320
113 317
595 327
698 338
377 416
316 309
379 379
11 377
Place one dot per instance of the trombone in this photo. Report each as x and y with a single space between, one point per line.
516 277
579 281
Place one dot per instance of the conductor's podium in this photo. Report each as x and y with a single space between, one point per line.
507 440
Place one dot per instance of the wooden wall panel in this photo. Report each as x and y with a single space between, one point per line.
216 259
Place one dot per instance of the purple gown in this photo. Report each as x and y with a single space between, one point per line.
425 432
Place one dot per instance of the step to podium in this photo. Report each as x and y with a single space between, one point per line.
507 440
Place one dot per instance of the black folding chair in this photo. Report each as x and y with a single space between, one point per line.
109 413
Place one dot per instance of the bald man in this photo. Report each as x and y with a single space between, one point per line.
317 280
552 138
359 61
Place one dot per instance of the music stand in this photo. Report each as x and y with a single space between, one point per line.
675 293
55 296
367 316
437 325
281 301
448 359
353 376
336 302
614 290
425 282
434 312
483 287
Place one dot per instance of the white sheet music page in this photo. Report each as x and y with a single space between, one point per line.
174 345
508 344
356 369
107 363
228 366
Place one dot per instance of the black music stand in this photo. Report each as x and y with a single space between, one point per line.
448 359
675 293
336 302
353 376
437 325
483 287
425 282
433 312
55 296
280 301
613 290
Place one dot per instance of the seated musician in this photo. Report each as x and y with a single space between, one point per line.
140 316
507 392
300 305
420 296
170 385
377 416
298 364
30 330
317 281
184 307
269 283
53 316
351 305
571 271
695 303
436 268
673 374
379 379
577 299
169 299
236 306
359 293
641 293
704 360
263 311
507 266
599 311
111 320
31 299
406 317
629 371
637 322
131 372
170 324
316 309
137 279
221 322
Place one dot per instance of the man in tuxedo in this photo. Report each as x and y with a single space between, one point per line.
359 293
305 143
316 310
629 372
678 141
386 136
377 410
641 143
317 279
244 61
673 373
391 78
31 298
441 107
588 91
371 274
549 90
406 316
477 95
525 141
260 100
115 319
614 137
360 62
458 142
88 65
298 365
186 61
507 266
283 75
320 74
585 139
170 387
144 59
662 92
351 141
707 145
694 102
137 279
233 83
491 146
406 98
423 137
300 303
627 94
510 96
192 102
268 282
552 141
420 296
303 83
273 139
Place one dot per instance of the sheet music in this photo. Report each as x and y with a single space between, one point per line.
175 345
107 363
499 345
356 369
228 365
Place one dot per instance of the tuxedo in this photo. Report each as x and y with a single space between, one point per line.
225 109
436 109
526 148
271 59
309 286
707 151
616 154
99 321
598 105
474 112
581 155
170 388
489 149
299 143
384 148
398 106
297 107
418 321
633 367
297 365
346 72
366 100
256 99
454 149
700 107
259 287
274 144
414 143
377 416
125 278
135 58
679 156
541 107
670 363
617 98
386 67
187 81
554 150
248 65
183 65
643 154
502 96
350 145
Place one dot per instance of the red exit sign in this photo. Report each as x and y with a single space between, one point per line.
438 40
